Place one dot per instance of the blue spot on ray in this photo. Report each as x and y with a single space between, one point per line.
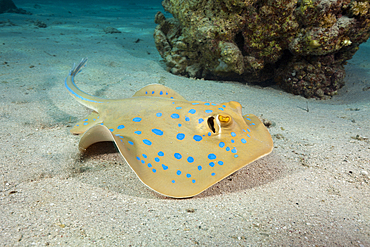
144 156
158 114
177 156
200 120
211 164
199 168
192 111
188 175
178 172
164 167
178 108
197 138
147 142
157 159
180 136
160 153
221 144
119 127
136 119
138 132
220 163
157 132
190 159
243 140
187 119
175 115
211 156
208 111
130 142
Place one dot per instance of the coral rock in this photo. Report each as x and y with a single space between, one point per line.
300 44
8 6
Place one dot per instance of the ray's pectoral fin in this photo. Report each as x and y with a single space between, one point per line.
100 133
158 90
260 134
87 123
97 133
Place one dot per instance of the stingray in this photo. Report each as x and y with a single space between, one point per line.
176 147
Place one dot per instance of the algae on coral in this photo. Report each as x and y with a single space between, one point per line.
300 44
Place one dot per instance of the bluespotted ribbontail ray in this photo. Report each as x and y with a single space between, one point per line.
176 147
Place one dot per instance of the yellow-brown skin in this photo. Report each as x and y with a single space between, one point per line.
176 147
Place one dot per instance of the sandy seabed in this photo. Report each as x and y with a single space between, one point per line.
312 190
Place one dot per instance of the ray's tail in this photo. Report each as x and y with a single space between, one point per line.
85 99
76 69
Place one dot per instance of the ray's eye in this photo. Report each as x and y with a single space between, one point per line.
211 124
224 119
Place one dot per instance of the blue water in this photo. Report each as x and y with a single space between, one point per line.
135 19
